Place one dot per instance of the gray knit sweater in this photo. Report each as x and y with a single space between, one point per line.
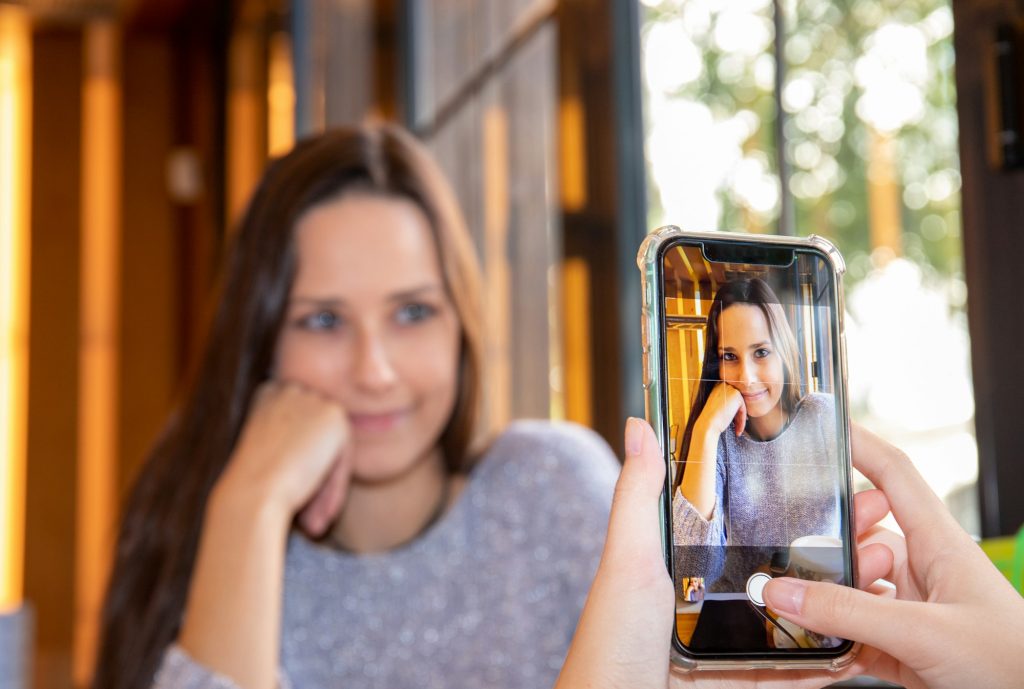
488 597
770 493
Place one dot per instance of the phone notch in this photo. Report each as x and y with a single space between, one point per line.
741 254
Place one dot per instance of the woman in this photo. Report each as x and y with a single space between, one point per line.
752 440
316 513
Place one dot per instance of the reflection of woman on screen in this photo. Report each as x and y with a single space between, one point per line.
759 456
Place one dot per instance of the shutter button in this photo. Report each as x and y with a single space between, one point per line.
755 588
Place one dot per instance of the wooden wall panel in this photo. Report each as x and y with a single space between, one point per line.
348 53
149 332
457 149
487 98
534 247
53 373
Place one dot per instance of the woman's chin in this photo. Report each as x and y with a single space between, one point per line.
381 465
757 412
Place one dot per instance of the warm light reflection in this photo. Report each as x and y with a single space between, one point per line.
498 289
99 332
244 139
573 170
576 328
15 138
280 95
886 228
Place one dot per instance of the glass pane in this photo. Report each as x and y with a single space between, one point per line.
869 136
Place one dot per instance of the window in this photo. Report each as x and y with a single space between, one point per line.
837 119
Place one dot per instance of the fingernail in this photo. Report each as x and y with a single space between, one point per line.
634 437
785 595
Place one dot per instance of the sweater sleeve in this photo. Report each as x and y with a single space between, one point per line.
689 528
698 542
558 480
178 670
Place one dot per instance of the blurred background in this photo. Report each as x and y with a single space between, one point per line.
132 133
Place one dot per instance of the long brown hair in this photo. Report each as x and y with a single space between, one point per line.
754 292
160 530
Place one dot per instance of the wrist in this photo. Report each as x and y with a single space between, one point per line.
236 504
706 433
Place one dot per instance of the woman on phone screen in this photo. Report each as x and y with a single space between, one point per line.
759 465
320 510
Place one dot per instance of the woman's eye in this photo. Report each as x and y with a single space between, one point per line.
728 356
762 353
321 320
415 312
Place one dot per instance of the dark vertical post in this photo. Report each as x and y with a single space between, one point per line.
409 22
631 214
787 222
993 204
304 66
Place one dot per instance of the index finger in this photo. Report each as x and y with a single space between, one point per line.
741 415
918 510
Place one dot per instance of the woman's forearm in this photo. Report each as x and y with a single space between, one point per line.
698 485
232 618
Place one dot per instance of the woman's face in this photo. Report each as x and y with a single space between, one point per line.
748 358
370 324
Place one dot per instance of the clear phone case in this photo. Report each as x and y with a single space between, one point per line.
649 259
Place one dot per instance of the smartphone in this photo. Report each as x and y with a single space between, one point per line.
745 382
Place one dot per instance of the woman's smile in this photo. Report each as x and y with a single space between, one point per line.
757 396
378 422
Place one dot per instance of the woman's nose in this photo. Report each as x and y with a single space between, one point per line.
748 372
374 368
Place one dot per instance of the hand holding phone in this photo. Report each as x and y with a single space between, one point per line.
952 621
934 633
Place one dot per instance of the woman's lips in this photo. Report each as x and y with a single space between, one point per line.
754 396
379 422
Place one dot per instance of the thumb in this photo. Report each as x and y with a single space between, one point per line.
841 611
624 634
635 523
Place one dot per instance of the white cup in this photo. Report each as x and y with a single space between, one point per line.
817 558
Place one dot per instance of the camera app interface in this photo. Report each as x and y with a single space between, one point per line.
757 469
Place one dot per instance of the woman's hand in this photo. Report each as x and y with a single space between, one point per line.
624 635
725 404
954 620
291 458
292 452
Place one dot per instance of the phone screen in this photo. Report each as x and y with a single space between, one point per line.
756 436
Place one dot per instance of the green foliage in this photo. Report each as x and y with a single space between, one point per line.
852 66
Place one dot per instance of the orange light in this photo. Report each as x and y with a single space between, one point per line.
499 281
280 96
99 332
572 137
576 329
15 177
245 142
884 203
